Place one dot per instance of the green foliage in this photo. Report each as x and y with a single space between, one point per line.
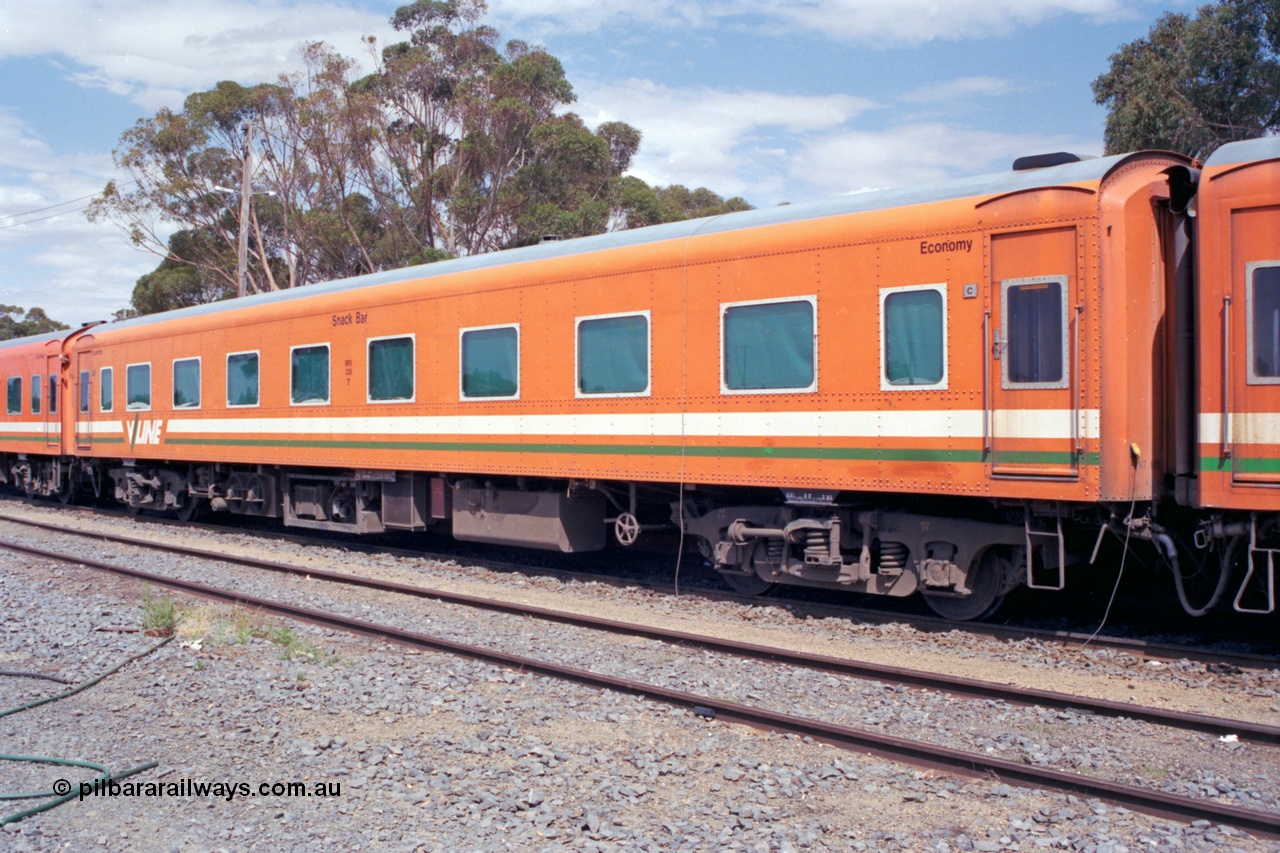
159 615
17 322
455 144
180 281
639 204
1195 83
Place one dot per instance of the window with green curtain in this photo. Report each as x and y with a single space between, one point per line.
613 355
137 386
84 390
36 382
106 393
769 346
1035 332
186 383
1266 322
310 375
913 337
242 379
490 362
391 369
13 395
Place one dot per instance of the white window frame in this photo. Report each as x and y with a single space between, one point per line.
1007 384
36 394
151 385
84 395
461 366
6 395
1251 376
413 338
812 388
328 348
227 381
577 356
885 384
104 372
173 377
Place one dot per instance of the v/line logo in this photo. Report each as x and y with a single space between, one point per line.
144 432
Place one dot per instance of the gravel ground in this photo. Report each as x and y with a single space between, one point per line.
440 753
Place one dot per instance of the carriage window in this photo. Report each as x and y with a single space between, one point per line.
613 355
1264 318
914 330
769 346
137 387
13 395
391 369
106 391
1035 323
35 394
491 362
310 374
242 379
84 390
53 395
186 383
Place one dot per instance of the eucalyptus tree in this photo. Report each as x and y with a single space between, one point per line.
1196 82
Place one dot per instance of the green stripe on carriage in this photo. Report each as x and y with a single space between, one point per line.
1241 465
852 454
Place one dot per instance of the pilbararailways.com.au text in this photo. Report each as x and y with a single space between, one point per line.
191 788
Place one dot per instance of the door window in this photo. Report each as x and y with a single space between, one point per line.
1264 323
1035 321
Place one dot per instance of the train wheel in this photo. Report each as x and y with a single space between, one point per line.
67 494
751 584
985 580
189 510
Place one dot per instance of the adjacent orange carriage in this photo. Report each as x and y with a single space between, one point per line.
952 389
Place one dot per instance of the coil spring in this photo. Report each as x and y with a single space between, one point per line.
816 546
893 556
774 550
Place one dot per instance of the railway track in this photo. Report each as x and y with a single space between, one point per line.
794 601
915 753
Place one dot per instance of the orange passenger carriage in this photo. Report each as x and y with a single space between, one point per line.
954 389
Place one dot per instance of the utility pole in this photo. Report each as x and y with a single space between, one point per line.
242 251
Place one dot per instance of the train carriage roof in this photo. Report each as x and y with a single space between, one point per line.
1083 171
36 339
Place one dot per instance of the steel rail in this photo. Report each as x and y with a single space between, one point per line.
954 685
924 623
1168 806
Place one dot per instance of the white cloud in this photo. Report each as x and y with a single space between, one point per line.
872 21
50 255
156 52
918 153
960 89
771 147
724 140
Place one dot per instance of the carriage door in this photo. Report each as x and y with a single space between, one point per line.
84 397
52 424
1253 319
1034 423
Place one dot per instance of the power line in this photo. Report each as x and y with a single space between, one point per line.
55 206
43 218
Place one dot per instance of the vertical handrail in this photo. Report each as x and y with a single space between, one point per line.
986 384
1075 396
1226 376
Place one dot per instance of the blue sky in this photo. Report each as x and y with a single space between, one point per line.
788 100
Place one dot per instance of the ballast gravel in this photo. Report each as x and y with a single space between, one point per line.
440 753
